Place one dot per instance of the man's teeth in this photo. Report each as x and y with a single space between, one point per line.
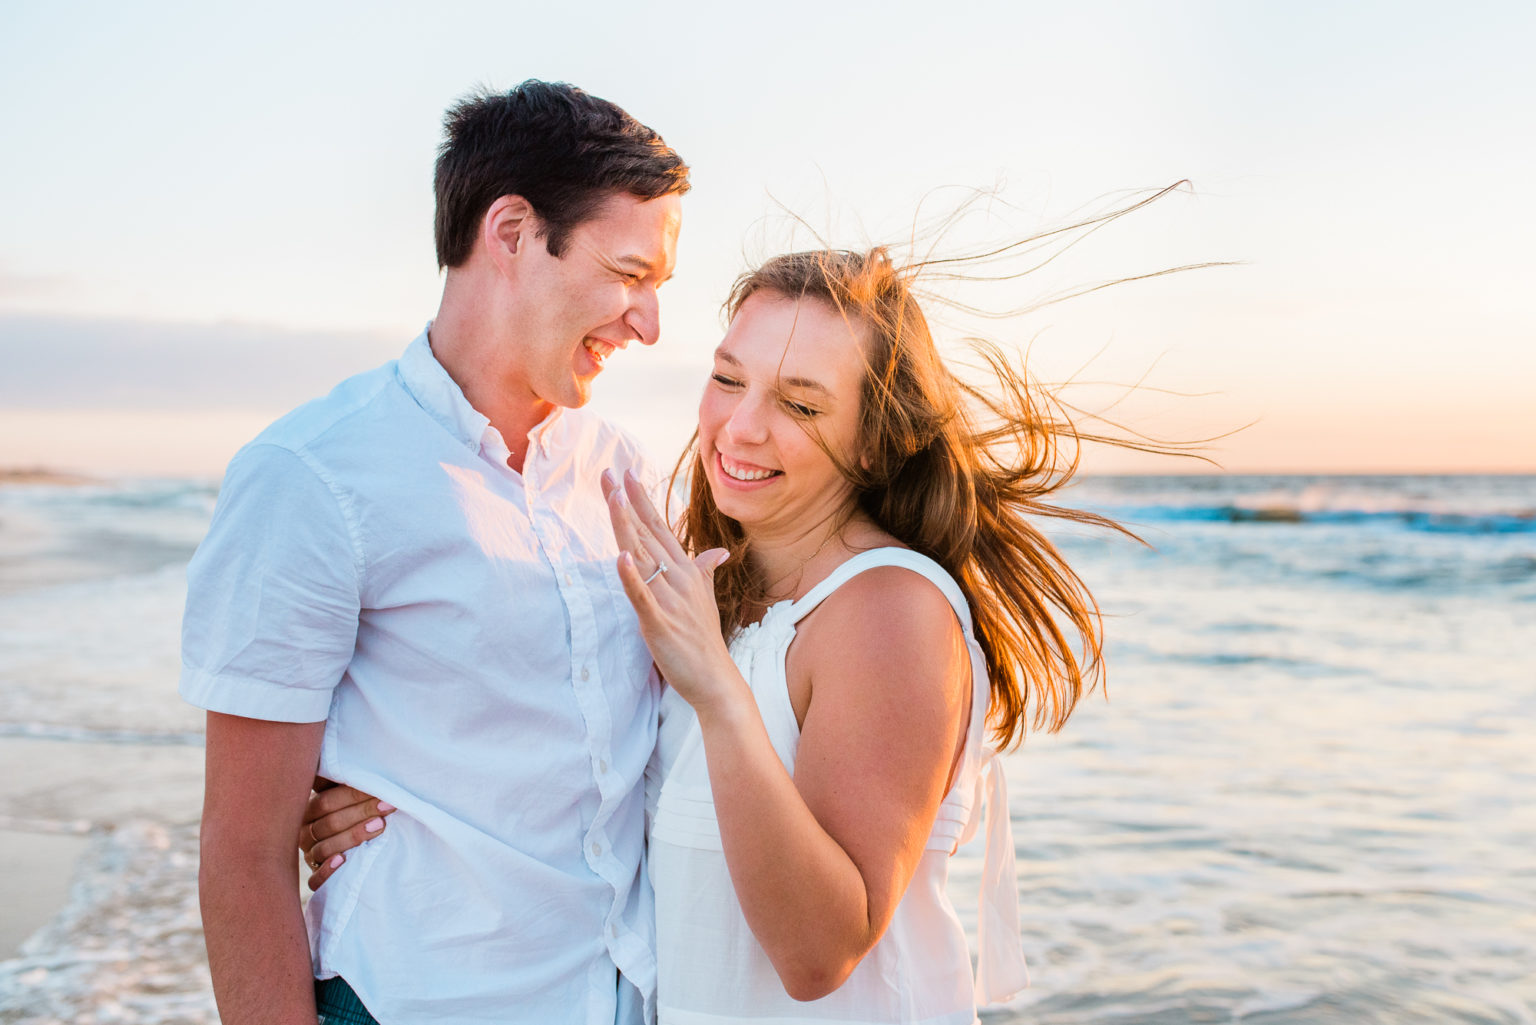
741 473
598 350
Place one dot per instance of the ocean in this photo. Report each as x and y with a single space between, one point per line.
1305 794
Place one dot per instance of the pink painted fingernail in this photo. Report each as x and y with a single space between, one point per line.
386 807
374 825
335 862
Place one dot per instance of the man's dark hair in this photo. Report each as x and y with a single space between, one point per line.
561 149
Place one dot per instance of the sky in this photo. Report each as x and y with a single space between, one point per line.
210 213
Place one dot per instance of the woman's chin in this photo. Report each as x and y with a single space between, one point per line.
731 504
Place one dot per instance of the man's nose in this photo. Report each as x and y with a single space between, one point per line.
644 317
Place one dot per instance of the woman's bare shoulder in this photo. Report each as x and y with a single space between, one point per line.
887 619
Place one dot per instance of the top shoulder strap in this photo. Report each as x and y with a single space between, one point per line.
907 559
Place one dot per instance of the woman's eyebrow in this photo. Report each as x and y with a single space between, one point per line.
804 383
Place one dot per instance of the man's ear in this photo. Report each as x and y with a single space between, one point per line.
506 228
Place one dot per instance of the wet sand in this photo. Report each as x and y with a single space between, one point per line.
98 881
35 873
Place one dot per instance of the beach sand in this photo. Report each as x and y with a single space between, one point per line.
35 872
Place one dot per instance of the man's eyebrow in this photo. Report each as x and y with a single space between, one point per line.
642 263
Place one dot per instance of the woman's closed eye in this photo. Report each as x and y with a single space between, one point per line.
800 409
724 381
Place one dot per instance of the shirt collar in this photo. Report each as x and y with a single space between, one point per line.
437 393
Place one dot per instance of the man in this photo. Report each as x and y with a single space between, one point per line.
409 586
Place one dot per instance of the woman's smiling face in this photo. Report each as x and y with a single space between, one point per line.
788 371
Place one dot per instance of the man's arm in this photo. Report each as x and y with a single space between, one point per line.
258 779
273 605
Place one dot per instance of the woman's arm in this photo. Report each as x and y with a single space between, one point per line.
820 864
881 675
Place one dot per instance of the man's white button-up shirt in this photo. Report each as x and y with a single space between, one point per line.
374 562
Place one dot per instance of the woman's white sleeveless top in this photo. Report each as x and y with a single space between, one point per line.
710 966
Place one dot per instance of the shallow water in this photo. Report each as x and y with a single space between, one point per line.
1307 799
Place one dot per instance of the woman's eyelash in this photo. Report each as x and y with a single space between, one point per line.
799 409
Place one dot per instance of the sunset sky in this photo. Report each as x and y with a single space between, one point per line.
212 212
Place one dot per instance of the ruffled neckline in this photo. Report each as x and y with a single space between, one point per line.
771 626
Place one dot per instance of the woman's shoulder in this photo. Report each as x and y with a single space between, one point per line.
887 600
886 643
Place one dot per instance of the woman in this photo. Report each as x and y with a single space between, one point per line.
857 531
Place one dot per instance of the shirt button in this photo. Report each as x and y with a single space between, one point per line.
568 580
602 766
584 673
597 850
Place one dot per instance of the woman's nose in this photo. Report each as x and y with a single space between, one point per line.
748 423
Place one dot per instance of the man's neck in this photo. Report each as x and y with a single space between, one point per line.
475 357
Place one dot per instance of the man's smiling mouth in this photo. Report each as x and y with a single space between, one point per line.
598 350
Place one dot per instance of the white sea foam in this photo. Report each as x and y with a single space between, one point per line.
128 945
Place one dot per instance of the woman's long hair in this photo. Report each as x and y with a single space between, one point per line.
956 471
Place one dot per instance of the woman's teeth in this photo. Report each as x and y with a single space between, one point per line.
736 471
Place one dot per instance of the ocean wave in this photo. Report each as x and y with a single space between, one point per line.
56 731
165 493
1285 665
1454 505
1432 521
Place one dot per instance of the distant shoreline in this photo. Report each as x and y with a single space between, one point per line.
43 475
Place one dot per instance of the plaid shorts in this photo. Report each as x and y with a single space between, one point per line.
338 1005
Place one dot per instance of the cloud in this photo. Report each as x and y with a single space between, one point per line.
21 285
164 370
52 362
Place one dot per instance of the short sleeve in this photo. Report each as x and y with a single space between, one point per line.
272 593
